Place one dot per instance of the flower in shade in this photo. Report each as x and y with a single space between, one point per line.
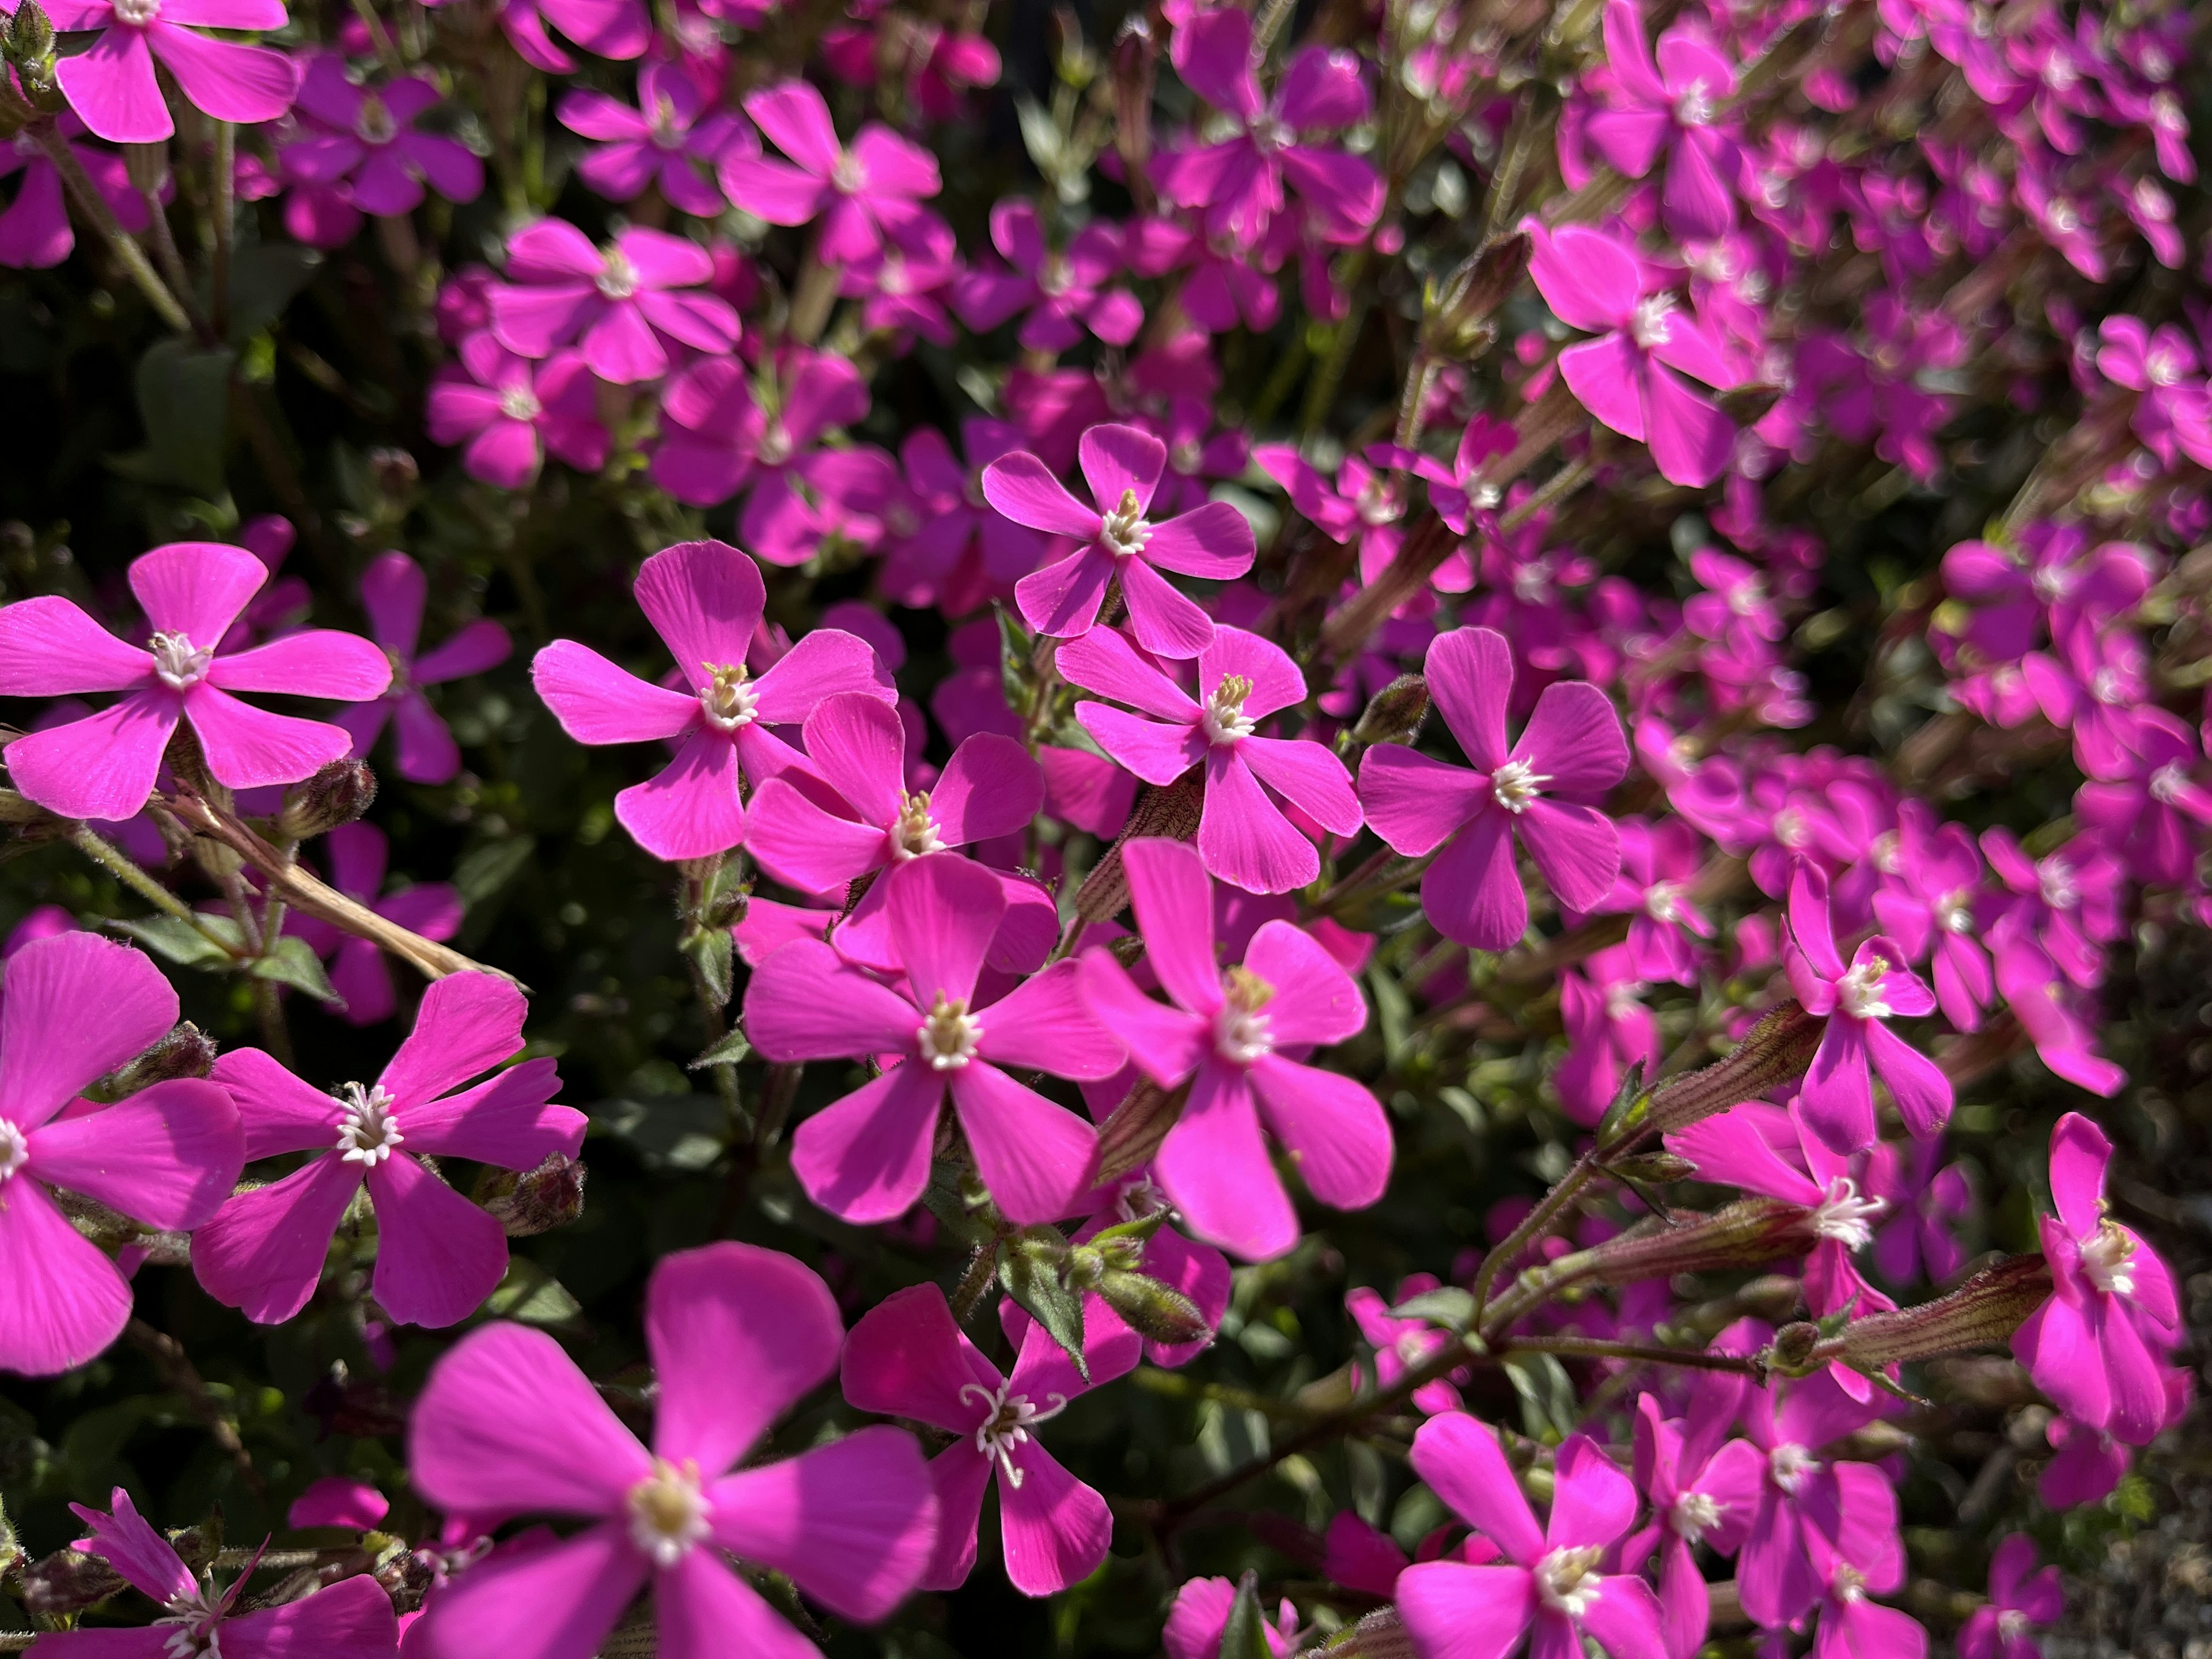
2020 1598
351 1618
1627 376
1402 1343
34 231
866 1158
77 1006
622 301
1199 1621
906 1358
1672 104
338 1500
1242 835
1226 1032
1704 1489
359 152
1925 1198
948 549
511 412
704 599
1571 753
103 766
394 591
1066 295
1122 465
508 1425
112 85
859 192
1837 1097
359 973
672 139
2098 1347
1811 1508
437 1256
1551 1588
616 29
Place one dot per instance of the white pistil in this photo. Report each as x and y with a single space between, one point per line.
2109 1261
1517 783
197 1619
1662 902
1008 1425
177 664
2055 880
14 1149
138 12
1789 1465
2167 783
948 1037
518 402
370 1128
728 699
1859 992
1125 531
915 833
1696 1514
2012 1625
618 278
668 1512
1954 911
850 175
1224 720
1846 1216
1695 108
1567 1580
1653 323
1242 1032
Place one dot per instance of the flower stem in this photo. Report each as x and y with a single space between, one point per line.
224 192
119 864
96 212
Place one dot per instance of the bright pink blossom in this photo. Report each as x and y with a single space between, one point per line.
360 152
1065 294
34 230
511 413
1704 1489
394 591
1199 1619
2020 1598
672 139
859 192
623 301
1811 1508
1672 104
114 86
616 29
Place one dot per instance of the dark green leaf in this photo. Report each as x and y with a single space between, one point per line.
1030 1272
181 942
531 1296
1447 1305
291 961
685 1133
184 399
263 281
482 870
1245 1635
1017 653
728 1052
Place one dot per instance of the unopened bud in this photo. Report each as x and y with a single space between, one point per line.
1793 1345
397 471
30 39
1776 1050
1133 1132
1744 1234
1983 1312
1460 324
186 1052
337 794
1395 713
68 1581
147 165
1136 58
1171 812
1153 1310
535 1201
1084 1268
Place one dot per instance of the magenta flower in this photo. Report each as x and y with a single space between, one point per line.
1837 1097
1367 508
1850 1626
1551 1586
394 591
2148 800
906 1358
616 29
1670 104
34 230
103 766
1627 376
1666 928
1704 1489
76 1007
512 413
1237 184
1064 294
359 973
2020 1598
360 144
1924 1198
2098 1346
508 1425
948 549
114 87
1122 465
622 301
437 1256
1242 835
1226 1032
860 193
672 139
704 599
1572 747
350 1620
1199 1621
865 1158
1810 1511
1402 1343
1931 906
1608 1029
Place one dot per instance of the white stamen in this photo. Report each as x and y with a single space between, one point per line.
370 1129
1225 720
1849 1585
374 125
177 663
1662 902
915 833
728 698
776 444
2109 1261
1241 1031
1140 1200
1653 323
949 1036
1567 1579
1846 1216
2055 878
850 175
518 402
1789 1465
1696 1514
198 1618
138 12
2167 783
668 1512
1517 783
618 278
1532 582
662 122
2012 1625
1695 108
1748 596
1859 993
1012 1417
1125 531
14 1149
1378 504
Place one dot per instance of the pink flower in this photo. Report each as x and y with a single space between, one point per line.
705 599
1836 1096
1065 294
77 1007
906 1358
113 88
1626 377
951 549
437 1256
1122 465
1850 1626
1608 1029
1572 747
2098 1346
1199 1272
511 414
616 29
508 1425
1367 508
1402 1343
103 766
1925 1198
1658 863
1810 1510
394 591
860 193
337 1500
622 301
1242 835
359 973
2020 1598
1224 1032
34 231
1199 1619
1704 1489
1673 105
664 141
350 1620
360 144
1552 1583
866 1158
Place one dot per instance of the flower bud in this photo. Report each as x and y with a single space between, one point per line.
1459 325
147 165
1153 1310
396 472
185 1052
1136 56
1133 1132
1171 812
1655 1168
1776 1050
1395 713
341 793
1744 1234
1983 1312
1793 1347
29 42
535 1201
69 1581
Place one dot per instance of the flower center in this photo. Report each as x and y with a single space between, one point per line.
1012 1417
1954 911
850 175
1225 720
1696 1514
2163 365
1849 1585
1653 323
177 664
1517 783
1140 1200
14 1149
2167 783
728 698
1567 1579
668 1512
138 12
1125 531
667 135
196 1618
1846 1216
1859 993
948 1037
1532 582
518 402
2109 1260
2055 878
915 832
1694 108
1378 504
1789 1465
1241 1030
370 1128
617 277
1623 998
1747 597
374 125
2012 1625
1054 279
775 445
1662 900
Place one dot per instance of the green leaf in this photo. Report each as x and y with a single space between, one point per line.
712 953
184 399
264 281
1017 651
1549 1408
728 1052
291 961
531 1296
682 1133
482 870
1245 1635
1029 1272
1447 1305
180 942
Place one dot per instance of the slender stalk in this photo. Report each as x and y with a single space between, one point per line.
224 193
179 1373
1590 1347
92 207
983 1268
1535 1225
379 37
812 297
119 864
172 261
